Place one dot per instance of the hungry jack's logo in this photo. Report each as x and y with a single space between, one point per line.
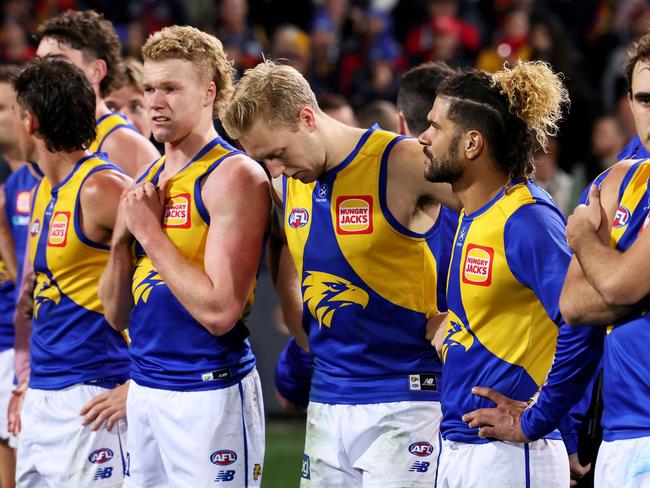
177 212
354 215
477 268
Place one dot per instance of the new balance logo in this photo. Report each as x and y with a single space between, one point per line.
420 466
103 473
225 475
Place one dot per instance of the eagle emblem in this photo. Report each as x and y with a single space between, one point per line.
325 293
458 335
46 291
143 289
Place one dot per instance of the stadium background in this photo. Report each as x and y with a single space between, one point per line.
358 49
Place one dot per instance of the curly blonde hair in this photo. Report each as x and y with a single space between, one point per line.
270 92
536 95
204 51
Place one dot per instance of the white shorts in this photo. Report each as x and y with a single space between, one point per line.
382 445
7 376
540 464
55 450
623 464
187 439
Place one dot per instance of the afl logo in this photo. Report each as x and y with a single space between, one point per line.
421 449
223 458
621 217
298 218
35 228
100 456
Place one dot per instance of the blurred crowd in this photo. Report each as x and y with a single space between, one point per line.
354 51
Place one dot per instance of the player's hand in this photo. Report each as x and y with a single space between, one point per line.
143 210
15 408
577 470
286 405
108 407
121 232
586 219
25 303
501 422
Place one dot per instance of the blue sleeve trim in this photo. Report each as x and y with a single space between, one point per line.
77 210
626 179
198 199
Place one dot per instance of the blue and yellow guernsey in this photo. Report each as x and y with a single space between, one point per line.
71 341
626 367
170 350
18 203
368 284
105 126
506 274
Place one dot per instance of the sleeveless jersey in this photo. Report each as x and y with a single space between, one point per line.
18 203
169 349
105 126
506 274
626 368
368 283
71 341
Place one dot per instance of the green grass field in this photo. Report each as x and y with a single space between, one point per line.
285 440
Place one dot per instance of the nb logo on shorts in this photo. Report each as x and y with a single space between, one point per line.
306 472
225 476
420 467
103 473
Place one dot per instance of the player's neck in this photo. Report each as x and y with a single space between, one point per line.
179 153
340 140
57 166
479 184
101 109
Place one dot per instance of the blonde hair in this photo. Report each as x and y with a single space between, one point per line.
270 92
132 75
536 95
204 51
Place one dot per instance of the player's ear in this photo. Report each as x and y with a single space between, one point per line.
402 126
30 122
472 144
210 94
98 70
307 116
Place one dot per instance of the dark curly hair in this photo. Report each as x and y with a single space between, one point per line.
62 100
514 109
93 35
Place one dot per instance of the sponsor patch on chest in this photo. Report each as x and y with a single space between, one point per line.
354 215
477 268
58 233
178 211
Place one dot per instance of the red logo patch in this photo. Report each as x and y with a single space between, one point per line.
58 233
24 202
354 215
621 217
298 217
178 212
477 268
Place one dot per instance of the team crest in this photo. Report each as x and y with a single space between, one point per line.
326 293
58 233
24 202
458 335
177 212
621 217
298 217
46 291
354 215
143 289
477 268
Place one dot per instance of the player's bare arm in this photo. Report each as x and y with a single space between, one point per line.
283 271
130 151
619 277
236 196
7 251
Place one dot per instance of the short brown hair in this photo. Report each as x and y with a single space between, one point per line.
203 50
274 92
639 52
132 75
93 35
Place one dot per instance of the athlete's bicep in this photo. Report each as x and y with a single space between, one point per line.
236 196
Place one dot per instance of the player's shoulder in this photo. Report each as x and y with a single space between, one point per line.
104 184
238 170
